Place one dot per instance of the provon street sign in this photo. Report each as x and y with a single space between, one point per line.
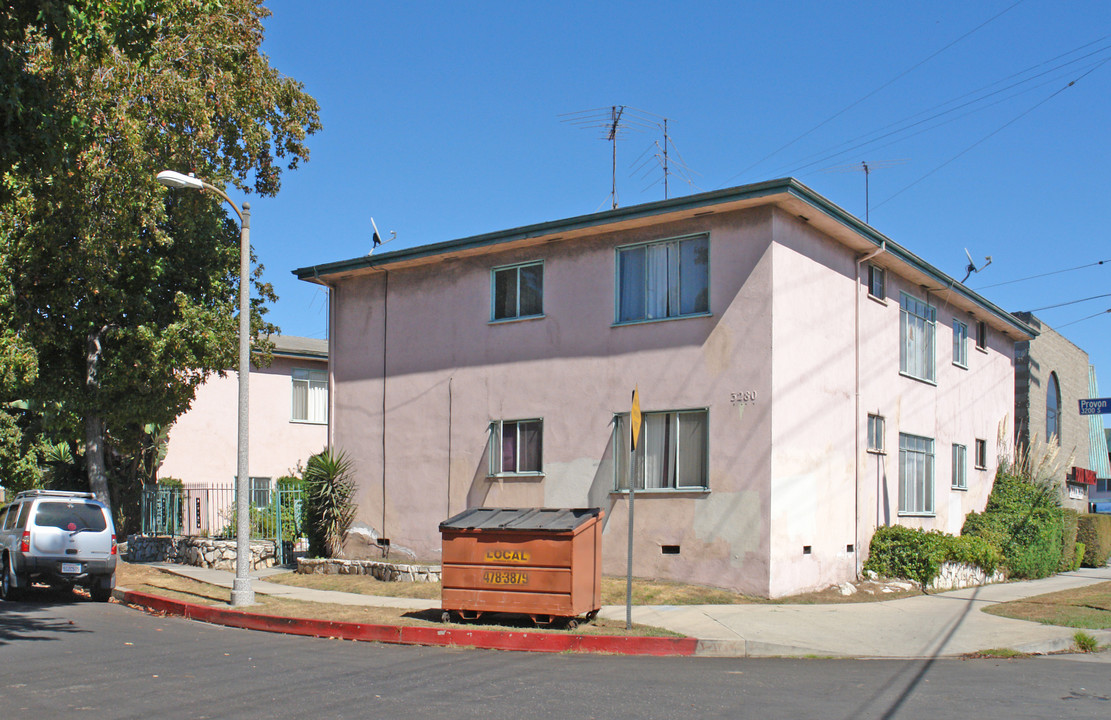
1095 406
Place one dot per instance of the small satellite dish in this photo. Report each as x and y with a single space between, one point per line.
972 266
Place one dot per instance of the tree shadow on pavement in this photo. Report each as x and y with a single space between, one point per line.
20 621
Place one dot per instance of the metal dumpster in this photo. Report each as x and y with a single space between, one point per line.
542 562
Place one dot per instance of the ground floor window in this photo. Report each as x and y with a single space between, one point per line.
960 465
260 492
916 475
672 453
516 447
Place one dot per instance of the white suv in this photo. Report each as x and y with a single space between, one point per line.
61 538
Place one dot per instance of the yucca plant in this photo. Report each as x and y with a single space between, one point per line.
329 510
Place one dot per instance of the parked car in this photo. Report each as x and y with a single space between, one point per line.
59 538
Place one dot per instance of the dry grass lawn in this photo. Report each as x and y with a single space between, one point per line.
645 592
145 578
1087 607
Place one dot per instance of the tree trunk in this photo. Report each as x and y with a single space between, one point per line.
94 423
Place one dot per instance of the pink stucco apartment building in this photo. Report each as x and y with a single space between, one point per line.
287 421
804 380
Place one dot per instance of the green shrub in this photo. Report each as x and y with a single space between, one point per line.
1021 519
1068 538
170 482
898 551
1095 532
1077 557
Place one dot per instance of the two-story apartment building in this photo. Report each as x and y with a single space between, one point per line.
287 421
803 378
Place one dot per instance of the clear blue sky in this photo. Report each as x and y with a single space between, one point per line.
444 120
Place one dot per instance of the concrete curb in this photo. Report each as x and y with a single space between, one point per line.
409 635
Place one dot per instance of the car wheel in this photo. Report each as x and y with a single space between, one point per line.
100 593
7 590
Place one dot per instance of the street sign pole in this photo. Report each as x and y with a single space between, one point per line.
634 435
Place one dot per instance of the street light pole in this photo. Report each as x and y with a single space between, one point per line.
241 592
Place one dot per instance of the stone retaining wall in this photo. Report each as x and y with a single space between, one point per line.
199 551
387 572
954 576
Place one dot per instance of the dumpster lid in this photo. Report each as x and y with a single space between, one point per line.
531 519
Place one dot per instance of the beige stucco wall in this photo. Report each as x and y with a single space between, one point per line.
202 444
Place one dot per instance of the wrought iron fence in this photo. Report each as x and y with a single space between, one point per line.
276 514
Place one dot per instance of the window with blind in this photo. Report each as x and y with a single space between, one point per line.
310 396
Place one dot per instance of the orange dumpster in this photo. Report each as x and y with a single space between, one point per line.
542 562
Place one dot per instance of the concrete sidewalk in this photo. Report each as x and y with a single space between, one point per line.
924 626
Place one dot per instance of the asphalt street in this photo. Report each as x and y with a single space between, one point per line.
62 656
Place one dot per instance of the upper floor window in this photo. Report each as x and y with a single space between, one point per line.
982 335
516 447
310 396
960 344
1053 410
664 279
981 454
671 454
877 281
518 291
917 329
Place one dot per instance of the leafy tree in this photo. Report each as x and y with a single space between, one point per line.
125 293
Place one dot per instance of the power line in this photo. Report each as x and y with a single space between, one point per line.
995 132
881 87
1071 302
1058 327
1035 277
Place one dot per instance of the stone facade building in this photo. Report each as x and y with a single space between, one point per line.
1051 376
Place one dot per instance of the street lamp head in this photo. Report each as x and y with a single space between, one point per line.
169 178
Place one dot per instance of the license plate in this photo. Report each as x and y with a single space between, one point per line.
71 568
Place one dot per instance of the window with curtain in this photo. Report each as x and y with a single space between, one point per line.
916 328
1053 410
916 475
518 291
516 447
671 454
664 279
310 396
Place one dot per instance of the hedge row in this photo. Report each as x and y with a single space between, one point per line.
898 551
1095 532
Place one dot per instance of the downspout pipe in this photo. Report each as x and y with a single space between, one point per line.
856 416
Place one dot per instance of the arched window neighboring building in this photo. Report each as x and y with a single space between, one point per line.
1053 410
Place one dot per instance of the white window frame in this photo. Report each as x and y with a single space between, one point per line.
516 270
679 279
877 281
917 338
960 467
876 434
960 344
309 379
498 429
980 461
916 475
671 479
982 336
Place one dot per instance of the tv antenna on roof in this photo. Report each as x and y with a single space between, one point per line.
614 121
867 168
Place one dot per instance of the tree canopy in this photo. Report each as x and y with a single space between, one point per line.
118 296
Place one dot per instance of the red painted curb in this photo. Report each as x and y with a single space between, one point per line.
409 635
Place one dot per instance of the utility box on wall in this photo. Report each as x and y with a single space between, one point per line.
541 562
